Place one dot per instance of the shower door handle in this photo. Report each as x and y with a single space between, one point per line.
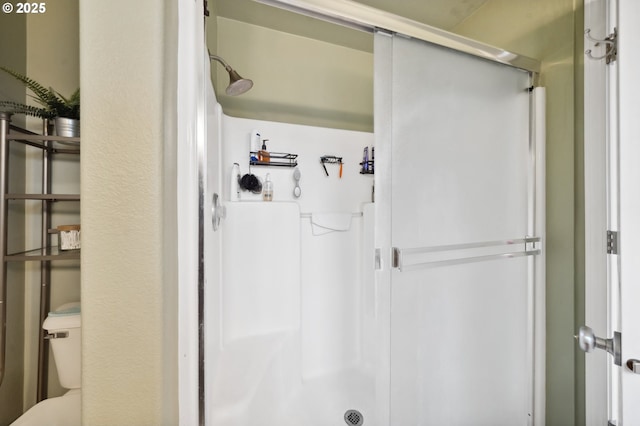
588 341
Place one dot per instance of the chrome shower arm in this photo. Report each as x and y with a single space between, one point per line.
237 84
219 59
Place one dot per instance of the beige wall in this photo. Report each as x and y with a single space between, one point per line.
13 38
129 356
545 30
47 51
579 213
296 79
52 60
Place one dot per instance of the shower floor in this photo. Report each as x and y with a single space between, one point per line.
258 382
325 399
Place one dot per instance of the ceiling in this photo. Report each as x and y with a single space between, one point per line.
445 14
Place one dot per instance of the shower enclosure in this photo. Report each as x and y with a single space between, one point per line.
424 307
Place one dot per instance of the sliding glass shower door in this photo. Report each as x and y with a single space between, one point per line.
457 235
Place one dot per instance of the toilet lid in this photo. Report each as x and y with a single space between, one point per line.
72 308
64 317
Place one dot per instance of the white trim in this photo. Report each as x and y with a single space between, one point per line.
190 98
539 296
383 45
596 223
628 93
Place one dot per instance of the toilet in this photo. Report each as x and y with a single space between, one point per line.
63 328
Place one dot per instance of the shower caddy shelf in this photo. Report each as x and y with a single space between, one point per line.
49 145
367 167
278 159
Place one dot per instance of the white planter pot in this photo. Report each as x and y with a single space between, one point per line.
67 127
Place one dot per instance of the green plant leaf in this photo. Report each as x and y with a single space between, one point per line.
53 103
18 108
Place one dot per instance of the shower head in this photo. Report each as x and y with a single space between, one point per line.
237 84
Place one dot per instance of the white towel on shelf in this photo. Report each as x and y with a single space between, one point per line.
323 223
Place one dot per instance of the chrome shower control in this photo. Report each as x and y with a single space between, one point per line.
588 341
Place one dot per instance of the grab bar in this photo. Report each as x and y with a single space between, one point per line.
398 255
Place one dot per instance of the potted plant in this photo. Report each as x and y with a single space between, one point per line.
65 111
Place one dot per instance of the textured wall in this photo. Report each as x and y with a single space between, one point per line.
126 359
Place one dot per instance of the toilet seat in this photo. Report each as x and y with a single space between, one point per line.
61 411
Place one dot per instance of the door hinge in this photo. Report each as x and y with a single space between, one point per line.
611 423
612 242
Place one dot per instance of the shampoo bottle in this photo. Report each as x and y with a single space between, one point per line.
263 154
267 191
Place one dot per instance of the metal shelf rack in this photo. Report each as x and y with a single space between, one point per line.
49 145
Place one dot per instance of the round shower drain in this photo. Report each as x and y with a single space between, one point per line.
354 418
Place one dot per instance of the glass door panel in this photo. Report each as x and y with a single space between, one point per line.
455 173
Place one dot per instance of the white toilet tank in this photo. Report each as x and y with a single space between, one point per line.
63 327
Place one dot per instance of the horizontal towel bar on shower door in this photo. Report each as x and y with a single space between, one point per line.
456 254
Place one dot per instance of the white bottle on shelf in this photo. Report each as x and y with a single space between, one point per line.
234 187
254 145
267 191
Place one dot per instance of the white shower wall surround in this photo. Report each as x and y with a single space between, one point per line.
295 327
320 193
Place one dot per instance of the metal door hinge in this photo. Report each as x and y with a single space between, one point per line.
611 423
612 242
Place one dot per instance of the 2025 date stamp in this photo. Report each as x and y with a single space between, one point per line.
22 8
